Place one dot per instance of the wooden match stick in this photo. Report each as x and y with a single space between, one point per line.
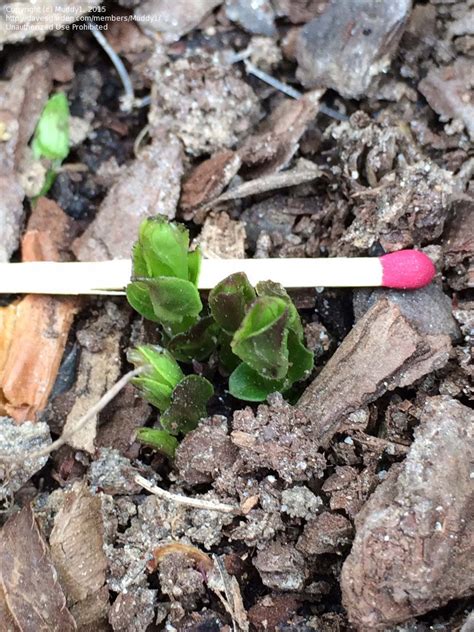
406 269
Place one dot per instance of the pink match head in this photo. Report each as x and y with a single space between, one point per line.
406 269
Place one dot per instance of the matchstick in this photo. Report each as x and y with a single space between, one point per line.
406 269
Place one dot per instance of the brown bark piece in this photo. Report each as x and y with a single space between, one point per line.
277 139
99 369
30 593
21 102
76 544
303 171
222 237
209 179
32 346
149 186
413 549
383 351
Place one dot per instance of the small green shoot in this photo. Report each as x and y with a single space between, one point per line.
51 137
164 278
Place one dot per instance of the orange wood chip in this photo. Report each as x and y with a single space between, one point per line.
34 330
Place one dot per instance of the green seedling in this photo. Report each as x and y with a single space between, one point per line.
255 334
180 399
51 137
164 277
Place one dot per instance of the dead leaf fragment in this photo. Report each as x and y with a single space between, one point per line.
32 596
76 542
99 368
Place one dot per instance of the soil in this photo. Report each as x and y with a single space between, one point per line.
351 505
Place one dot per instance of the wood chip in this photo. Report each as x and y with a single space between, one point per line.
415 554
77 541
222 237
303 171
208 180
277 139
98 370
31 346
383 351
149 186
31 597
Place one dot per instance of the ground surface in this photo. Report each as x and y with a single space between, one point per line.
353 505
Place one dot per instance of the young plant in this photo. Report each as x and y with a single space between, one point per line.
256 333
51 137
267 336
181 399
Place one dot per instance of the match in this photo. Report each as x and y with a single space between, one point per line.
405 270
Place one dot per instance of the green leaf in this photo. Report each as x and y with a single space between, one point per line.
270 288
188 405
176 302
154 392
261 340
248 385
300 359
229 301
162 374
163 245
138 296
196 344
228 360
194 266
51 138
159 440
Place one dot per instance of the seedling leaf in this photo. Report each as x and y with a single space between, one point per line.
176 302
163 246
248 385
229 301
196 344
300 359
51 138
138 296
159 440
261 340
188 405
162 374
270 288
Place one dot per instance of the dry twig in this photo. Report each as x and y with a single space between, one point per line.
184 500
64 438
